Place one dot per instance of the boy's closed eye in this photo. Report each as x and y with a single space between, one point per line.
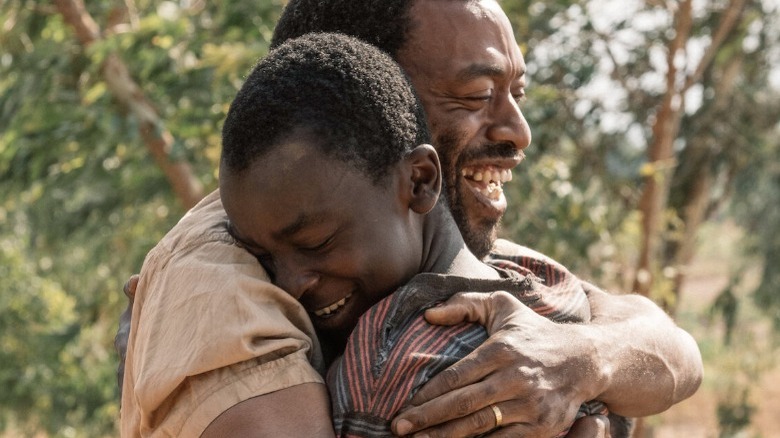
318 245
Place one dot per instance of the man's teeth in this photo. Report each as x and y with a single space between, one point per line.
498 176
493 180
332 308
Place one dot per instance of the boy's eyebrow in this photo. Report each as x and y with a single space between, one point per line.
302 221
233 232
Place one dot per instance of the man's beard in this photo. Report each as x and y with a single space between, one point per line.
479 237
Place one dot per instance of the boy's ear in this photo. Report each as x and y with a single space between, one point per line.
425 178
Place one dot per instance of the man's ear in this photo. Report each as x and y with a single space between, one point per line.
425 178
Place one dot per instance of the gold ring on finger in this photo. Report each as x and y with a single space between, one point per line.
498 414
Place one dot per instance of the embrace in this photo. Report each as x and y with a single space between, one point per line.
346 278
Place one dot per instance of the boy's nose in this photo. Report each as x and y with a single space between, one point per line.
296 281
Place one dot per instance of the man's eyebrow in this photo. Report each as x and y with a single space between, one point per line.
475 71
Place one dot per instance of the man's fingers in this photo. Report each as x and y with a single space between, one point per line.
465 408
484 420
468 371
455 404
123 332
507 418
590 426
461 307
130 286
510 431
489 310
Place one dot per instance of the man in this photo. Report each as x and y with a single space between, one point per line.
468 71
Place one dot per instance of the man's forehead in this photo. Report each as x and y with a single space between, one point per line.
422 11
462 40
458 24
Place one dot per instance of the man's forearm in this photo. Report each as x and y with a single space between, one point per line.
649 363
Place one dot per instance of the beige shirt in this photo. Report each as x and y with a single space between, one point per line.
208 331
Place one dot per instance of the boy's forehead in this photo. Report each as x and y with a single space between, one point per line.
295 189
297 177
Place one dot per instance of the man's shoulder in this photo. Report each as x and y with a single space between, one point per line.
506 249
542 266
563 296
205 223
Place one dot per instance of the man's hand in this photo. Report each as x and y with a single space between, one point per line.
123 333
590 426
536 372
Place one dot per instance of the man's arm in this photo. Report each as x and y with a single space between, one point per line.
279 413
631 356
652 364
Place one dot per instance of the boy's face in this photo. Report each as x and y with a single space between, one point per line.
469 73
326 234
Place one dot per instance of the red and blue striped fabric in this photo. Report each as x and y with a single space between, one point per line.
393 350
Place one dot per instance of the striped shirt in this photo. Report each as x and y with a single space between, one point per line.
393 350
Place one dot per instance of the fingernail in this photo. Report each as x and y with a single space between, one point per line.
403 427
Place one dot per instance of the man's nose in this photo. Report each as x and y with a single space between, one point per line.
508 125
295 279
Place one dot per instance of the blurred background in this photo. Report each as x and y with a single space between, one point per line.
655 168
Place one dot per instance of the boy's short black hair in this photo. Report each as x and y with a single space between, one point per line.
383 23
353 99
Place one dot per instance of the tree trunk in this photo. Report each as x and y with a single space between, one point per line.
660 155
695 204
661 159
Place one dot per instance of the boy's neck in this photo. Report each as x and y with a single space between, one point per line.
445 252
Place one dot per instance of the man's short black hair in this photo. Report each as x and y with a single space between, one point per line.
383 23
353 99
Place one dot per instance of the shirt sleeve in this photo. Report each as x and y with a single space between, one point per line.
209 331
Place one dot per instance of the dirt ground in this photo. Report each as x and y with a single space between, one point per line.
696 417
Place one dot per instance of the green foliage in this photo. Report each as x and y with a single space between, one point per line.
734 414
81 200
593 92
726 306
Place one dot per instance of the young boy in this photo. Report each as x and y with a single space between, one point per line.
328 178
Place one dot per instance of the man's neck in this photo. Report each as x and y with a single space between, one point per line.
445 252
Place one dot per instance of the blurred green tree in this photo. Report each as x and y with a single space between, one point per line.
649 118
110 119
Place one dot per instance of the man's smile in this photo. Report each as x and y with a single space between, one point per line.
485 177
487 180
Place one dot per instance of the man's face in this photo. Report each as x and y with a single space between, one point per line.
469 73
325 233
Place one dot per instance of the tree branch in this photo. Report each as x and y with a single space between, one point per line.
731 16
121 84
